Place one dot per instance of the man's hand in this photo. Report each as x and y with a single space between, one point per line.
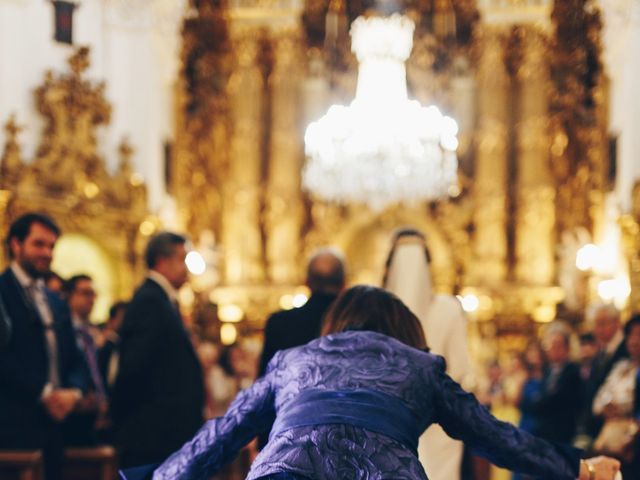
60 402
599 468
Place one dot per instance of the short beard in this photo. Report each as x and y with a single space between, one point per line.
32 271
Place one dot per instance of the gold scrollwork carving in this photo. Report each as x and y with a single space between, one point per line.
68 178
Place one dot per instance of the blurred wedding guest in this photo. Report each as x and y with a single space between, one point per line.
561 396
291 328
531 390
158 397
227 377
514 378
80 428
491 387
408 276
352 404
41 369
55 283
619 396
607 330
80 294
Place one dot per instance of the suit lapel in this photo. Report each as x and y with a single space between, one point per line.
175 316
167 304
30 312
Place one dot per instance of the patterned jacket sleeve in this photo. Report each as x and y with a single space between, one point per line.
220 439
463 418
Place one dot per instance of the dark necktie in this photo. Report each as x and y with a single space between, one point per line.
552 380
39 301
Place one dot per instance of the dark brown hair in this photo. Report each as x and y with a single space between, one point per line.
21 228
370 308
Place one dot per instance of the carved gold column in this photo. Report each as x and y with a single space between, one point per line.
11 167
284 203
535 201
630 226
241 233
5 197
200 155
490 186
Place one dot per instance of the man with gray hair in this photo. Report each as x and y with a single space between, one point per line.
557 405
158 395
604 320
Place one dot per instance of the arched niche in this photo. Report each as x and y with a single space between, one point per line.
366 240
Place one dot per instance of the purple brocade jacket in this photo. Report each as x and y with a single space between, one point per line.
356 361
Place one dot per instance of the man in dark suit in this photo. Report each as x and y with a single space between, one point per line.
158 396
559 404
41 374
291 328
80 428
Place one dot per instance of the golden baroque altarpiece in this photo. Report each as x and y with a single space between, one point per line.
68 179
523 78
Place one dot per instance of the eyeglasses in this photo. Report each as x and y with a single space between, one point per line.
86 293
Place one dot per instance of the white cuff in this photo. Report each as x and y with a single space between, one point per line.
46 391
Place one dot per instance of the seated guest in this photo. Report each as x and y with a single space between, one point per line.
55 283
558 405
607 330
618 397
353 403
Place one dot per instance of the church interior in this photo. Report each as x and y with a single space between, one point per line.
124 118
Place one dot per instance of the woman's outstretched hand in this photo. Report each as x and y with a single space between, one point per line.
599 468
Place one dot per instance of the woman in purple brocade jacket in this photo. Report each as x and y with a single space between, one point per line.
352 404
